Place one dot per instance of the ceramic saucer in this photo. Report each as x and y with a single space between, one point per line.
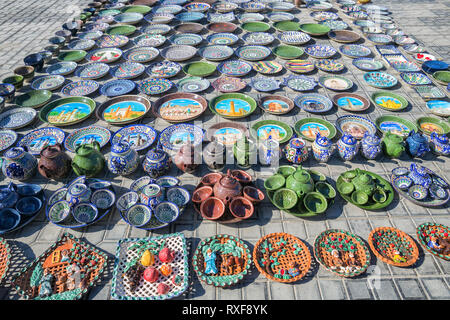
154 86
80 88
128 70
236 68
93 71
87 135
428 92
159 18
38 139
229 84
395 125
17 118
156 28
193 84
313 103
300 83
276 130
139 136
276 104
48 82
81 44
389 101
335 24
163 69
227 133
117 87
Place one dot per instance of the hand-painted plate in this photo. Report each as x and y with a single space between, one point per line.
190 16
389 101
62 68
7 139
335 24
320 51
175 136
229 84
429 229
276 130
160 18
233 105
355 50
308 128
128 70
422 57
313 103
250 16
300 83
380 79
117 88
80 88
219 17
163 69
17 118
179 107
280 16
139 136
156 28
48 82
439 107
222 38
227 133
253 53
367 64
351 102
355 125
150 40
178 52
276 104
90 35
265 84
33 98
415 78
190 39
112 41
67 111
258 38
105 55
193 84
124 109
281 6
267 67
235 68
215 52
336 83
197 7
428 92
81 44
129 17
401 64
85 135
38 139
121 29
173 9
344 36
294 37
154 86
329 65
299 66
379 38
324 15
428 125
395 125
141 54
93 71
101 26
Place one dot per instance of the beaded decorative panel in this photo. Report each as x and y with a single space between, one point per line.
4 258
441 246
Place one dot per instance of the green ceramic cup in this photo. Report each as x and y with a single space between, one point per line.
379 196
315 202
346 188
16 81
348 176
360 197
326 189
285 198
274 182
286 171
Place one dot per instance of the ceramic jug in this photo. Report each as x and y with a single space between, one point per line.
124 160
300 181
245 151
440 144
184 159
54 162
347 146
322 148
416 144
214 156
296 151
88 160
392 145
19 164
227 187
420 175
157 162
370 146
269 152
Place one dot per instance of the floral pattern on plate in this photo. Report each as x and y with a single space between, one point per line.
93 70
80 88
355 50
163 69
320 51
128 70
300 83
154 86
380 79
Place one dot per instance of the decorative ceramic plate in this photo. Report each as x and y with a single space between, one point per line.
90 35
258 38
224 7
324 15
48 82
415 78
367 64
219 17
364 23
17 118
216 52
427 230
72 55
389 101
222 38
414 48
355 50
100 26
276 130
299 66
128 70
222 27
178 53
253 6
351 102
294 37
428 125
442 77
80 88
422 57
124 109
154 86
280 16
81 44
117 87
379 38
355 125
38 139
179 107
265 84
149 40
67 111
314 29
112 41
7 139
105 55
163 69
267 67
193 84
380 79
387 49
281 6
319 6
229 84
85 135
403 40
308 128
190 16
253 53
439 107
250 16
300 83
320 51
190 39
287 52
400 63
227 133
93 71
121 29
329 65
335 24
313 103
276 104
141 54
62 68
372 29
175 136
156 28
395 125
159 18
344 36
233 105
129 18
33 98
286 26
236 68
336 83
139 136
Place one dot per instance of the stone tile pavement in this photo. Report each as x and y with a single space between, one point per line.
25 28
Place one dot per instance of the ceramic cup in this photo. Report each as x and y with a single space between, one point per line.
27 72
35 60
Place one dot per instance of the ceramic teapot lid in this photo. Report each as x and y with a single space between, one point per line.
297 143
156 154
322 140
348 139
15 152
371 138
120 147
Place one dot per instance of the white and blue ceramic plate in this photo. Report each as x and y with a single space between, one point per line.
221 17
355 125
62 68
294 37
48 82
112 41
235 68
250 17
141 54
190 16
128 70
193 84
93 71
367 64
157 28
85 135
117 88
80 88
17 118
253 53
258 38
300 83
222 38
38 139
149 40
265 84
154 86
163 69
175 136
280 16
439 107
190 39
335 24
7 139
320 51
173 9
313 103
139 136
216 52
81 44
324 15
160 18
335 82
355 50
415 78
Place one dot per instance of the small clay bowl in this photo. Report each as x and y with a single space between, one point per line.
253 194
241 208
28 206
241 176
274 182
360 197
16 81
286 171
201 194
346 188
212 208
210 179
326 189
315 202
285 199
27 72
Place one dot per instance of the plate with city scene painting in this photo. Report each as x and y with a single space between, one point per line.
272 129
351 102
355 125
67 111
123 109
179 107
86 135
139 136
276 104
308 128
227 133
395 125
233 105
38 139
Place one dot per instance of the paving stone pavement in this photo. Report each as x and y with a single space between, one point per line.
27 25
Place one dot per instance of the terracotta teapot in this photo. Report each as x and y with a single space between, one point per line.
54 162
88 161
185 158
227 188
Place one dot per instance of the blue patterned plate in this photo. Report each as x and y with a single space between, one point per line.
329 65
80 88
190 39
415 78
235 68
253 53
128 70
193 84
139 136
117 88
294 37
380 79
364 23
174 136
355 50
17 118
300 83
87 135
221 17
129 17
7 139
100 26
387 49
258 38
222 38
48 82
173 9
93 71
112 41
154 86
265 84
320 51
150 40
380 38
81 44
355 125
157 28
439 107
159 18
163 69
335 24
313 103
141 54
62 68
367 64
280 16
38 139
216 52
324 15
190 16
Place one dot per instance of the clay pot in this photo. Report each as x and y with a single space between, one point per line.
184 159
211 179
201 194
212 209
54 162
227 188
241 176
253 194
241 208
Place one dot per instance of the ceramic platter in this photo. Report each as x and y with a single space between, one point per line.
7 139
139 136
80 88
227 84
180 107
150 40
233 105
128 70
124 109
190 39
193 84
253 53
367 64
415 78
258 38
93 71
85 135
320 51
389 101
216 52
227 133
344 36
355 125
313 103
105 55
308 128
380 79
38 139
62 68
117 87
48 83
351 102
329 65
300 83
275 130
335 24
17 118
178 53
267 67
428 125
299 66
395 125
112 41
276 104
33 98
294 37
67 111
175 136
336 83
235 68
154 86
355 50
265 84
222 38
141 54
163 69
439 107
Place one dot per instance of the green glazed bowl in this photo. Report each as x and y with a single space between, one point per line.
315 202
34 98
360 197
285 199
274 182
121 29
255 26
286 171
442 77
72 55
286 26
346 187
199 69
317 176
27 72
314 29
16 81
288 52
379 196
326 189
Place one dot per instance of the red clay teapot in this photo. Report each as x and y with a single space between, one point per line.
185 158
54 162
227 188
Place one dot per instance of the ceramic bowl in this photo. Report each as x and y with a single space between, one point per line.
167 181
201 194
379 196
418 192
9 219
212 208
16 81
241 176
360 197
35 60
139 214
29 189
103 199
346 188
99 184
127 200
59 211
166 212
315 202
7 91
178 195
326 189
437 192
28 206
85 213
286 171
253 194
27 72
210 179
140 183
274 182
400 171
241 208
285 198
57 41
403 182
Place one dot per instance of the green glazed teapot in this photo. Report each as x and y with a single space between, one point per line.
364 182
393 145
300 181
88 161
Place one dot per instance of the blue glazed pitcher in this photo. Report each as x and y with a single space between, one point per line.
348 147
322 148
416 144
370 146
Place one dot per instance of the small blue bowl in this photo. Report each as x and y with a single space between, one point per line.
418 192
139 214
28 190
9 219
403 182
7 91
35 60
85 213
166 212
127 200
59 211
28 206
178 195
